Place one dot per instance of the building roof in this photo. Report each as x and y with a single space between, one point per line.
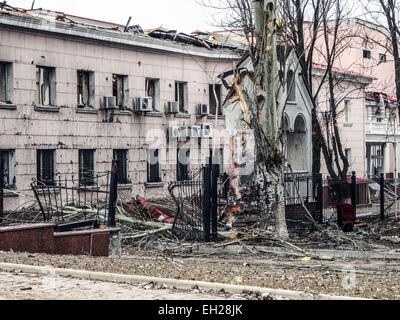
162 39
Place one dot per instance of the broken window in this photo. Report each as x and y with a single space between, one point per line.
121 90
214 102
122 162
85 89
153 166
8 158
46 167
6 83
182 164
291 86
46 86
86 167
153 91
181 96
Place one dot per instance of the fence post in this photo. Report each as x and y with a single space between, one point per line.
382 196
225 180
113 194
1 189
206 202
354 190
214 201
319 208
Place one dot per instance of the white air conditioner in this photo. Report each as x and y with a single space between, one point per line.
109 103
144 104
195 131
206 130
203 109
173 107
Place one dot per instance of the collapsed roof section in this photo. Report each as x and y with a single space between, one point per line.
211 41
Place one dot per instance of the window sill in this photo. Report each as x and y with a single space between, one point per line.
182 115
347 125
154 185
122 112
10 193
87 110
154 114
46 108
212 117
127 186
8 106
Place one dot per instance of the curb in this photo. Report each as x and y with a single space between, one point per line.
179 284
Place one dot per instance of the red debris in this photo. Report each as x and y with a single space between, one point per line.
155 213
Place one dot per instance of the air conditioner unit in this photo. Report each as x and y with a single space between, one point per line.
203 109
195 131
109 103
206 130
173 107
144 104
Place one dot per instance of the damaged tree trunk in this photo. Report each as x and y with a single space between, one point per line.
270 156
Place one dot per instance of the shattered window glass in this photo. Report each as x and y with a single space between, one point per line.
46 167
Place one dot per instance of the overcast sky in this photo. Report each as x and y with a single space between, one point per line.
182 15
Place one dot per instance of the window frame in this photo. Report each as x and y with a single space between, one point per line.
6 80
123 171
85 178
51 166
151 166
124 88
156 95
9 168
90 87
181 96
366 54
211 98
382 57
291 86
347 111
51 86
182 169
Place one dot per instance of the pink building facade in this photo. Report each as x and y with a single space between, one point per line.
368 111
76 95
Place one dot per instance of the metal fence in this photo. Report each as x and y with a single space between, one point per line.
70 201
200 202
302 189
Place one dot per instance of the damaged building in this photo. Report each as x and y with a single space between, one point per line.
77 93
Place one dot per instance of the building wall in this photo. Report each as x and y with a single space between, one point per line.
352 133
67 131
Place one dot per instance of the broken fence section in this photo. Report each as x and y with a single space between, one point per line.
200 202
83 202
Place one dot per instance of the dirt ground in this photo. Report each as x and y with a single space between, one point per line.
374 279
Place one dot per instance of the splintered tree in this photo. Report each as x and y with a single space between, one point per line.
259 90
267 110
